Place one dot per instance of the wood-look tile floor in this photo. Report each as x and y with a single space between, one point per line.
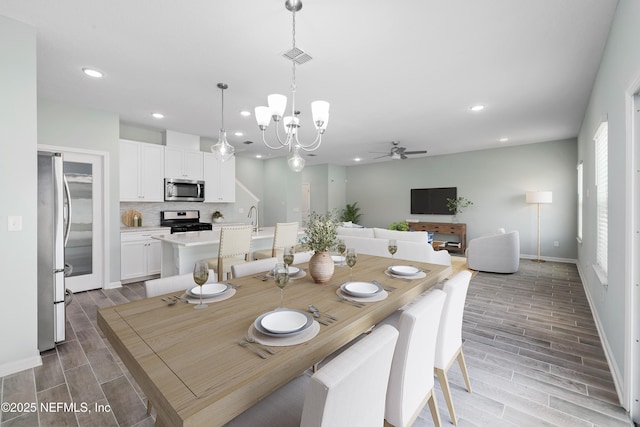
530 342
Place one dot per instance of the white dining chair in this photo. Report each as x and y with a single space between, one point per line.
234 248
302 257
411 379
449 344
253 267
286 235
347 392
165 285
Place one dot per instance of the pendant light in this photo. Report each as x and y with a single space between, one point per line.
222 149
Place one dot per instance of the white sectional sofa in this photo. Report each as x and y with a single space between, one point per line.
412 245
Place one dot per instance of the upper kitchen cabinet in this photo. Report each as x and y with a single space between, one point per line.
183 164
219 179
141 172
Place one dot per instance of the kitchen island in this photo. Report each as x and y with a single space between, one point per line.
181 250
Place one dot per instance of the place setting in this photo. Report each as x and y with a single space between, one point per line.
205 292
357 293
406 272
283 326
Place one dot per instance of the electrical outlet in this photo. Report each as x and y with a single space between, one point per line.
14 223
556 244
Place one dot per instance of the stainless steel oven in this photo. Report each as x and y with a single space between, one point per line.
183 190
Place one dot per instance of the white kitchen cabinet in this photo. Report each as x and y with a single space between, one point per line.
183 164
219 179
141 172
140 255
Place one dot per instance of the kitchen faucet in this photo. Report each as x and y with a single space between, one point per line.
251 209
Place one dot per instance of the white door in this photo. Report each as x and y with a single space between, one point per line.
84 248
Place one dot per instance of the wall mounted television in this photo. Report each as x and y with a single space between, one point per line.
432 200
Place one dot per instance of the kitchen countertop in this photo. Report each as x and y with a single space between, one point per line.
199 238
145 228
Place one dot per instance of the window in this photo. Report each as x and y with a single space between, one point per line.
580 201
601 139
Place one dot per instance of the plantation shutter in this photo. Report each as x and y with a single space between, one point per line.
602 194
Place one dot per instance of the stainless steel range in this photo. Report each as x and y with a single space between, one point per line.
183 221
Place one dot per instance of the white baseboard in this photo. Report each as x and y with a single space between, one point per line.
20 365
618 379
113 285
551 259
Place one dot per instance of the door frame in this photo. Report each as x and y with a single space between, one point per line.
631 397
106 243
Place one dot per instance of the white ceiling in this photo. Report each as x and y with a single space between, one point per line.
406 71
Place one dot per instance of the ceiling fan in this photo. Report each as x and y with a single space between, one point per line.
400 153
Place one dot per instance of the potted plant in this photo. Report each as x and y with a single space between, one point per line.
321 236
399 226
456 206
217 217
351 213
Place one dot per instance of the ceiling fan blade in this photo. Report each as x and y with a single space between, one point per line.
403 157
379 157
416 152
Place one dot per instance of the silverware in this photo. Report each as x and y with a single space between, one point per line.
169 300
250 347
386 288
234 286
266 348
263 277
352 302
181 298
317 313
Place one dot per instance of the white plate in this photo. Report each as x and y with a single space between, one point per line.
404 270
337 259
209 290
293 270
361 289
258 324
284 321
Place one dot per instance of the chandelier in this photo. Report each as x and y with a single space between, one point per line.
278 104
222 150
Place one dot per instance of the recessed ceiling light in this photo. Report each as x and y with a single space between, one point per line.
245 113
503 139
357 159
92 73
157 115
476 108
258 156
238 134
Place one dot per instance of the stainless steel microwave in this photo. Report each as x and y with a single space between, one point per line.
183 190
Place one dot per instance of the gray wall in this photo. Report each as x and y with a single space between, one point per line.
619 75
18 169
327 185
495 180
81 128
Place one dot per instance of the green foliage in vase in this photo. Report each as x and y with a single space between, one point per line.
321 232
399 226
456 206
351 212
217 214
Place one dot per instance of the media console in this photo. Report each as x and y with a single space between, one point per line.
449 228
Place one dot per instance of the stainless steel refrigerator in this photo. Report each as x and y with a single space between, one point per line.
51 242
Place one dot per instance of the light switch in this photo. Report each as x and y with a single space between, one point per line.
14 223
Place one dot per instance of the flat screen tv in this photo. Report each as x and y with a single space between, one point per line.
432 200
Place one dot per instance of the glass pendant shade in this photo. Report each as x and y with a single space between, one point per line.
320 113
277 104
222 149
296 163
291 125
263 117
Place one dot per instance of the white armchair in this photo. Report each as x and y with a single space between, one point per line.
496 253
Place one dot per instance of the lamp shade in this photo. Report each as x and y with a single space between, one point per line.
539 196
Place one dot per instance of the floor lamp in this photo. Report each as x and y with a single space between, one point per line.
539 197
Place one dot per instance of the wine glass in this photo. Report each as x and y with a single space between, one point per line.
281 276
351 261
393 248
287 257
200 276
341 248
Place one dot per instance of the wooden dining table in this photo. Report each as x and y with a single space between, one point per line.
189 362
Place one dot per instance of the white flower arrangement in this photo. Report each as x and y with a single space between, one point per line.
321 232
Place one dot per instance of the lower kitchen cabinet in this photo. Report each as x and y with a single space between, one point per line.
140 255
